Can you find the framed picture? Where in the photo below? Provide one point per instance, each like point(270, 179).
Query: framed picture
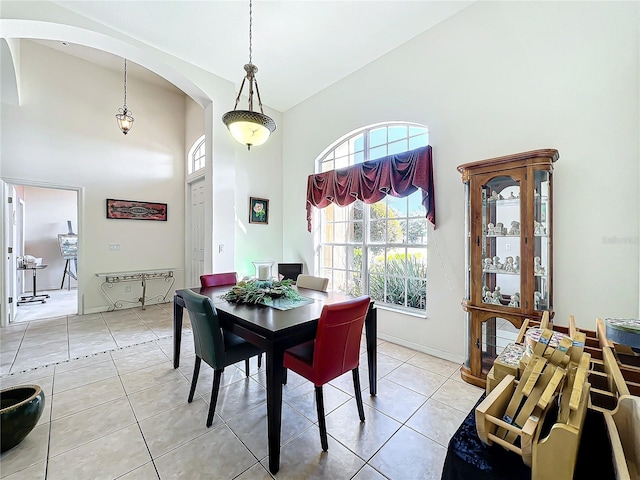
point(68, 245)
point(132, 210)
point(259, 210)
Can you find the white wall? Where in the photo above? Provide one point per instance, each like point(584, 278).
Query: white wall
point(46, 213)
point(193, 125)
point(65, 133)
point(495, 79)
point(259, 174)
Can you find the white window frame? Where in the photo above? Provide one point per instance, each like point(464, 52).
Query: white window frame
point(341, 270)
point(196, 158)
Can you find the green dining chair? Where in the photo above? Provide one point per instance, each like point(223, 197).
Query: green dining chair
point(213, 344)
point(223, 280)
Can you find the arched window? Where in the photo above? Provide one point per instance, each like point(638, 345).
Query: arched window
point(196, 158)
point(378, 249)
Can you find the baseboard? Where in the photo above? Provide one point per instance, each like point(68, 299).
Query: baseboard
point(109, 308)
point(421, 348)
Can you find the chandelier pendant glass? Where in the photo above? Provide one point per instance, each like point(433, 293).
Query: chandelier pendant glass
point(246, 126)
point(125, 116)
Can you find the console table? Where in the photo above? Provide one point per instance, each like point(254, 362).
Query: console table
point(142, 276)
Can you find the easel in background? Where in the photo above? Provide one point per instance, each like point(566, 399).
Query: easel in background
point(69, 251)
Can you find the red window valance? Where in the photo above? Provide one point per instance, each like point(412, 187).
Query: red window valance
point(398, 175)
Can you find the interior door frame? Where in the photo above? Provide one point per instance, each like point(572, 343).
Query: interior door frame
point(4, 267)
point(7, 238)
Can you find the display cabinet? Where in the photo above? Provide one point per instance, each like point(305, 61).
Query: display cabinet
point(509, 254)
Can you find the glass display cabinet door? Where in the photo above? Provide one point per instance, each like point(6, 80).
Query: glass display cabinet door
point(542, 260)
point(500, 241)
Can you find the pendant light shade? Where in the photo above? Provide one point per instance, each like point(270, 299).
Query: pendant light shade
point(249, 128)
point(124, 116)
point(246, 126)
point(125, 120)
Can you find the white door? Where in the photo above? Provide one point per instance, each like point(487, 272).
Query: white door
point(9, 294)
point(197, 216)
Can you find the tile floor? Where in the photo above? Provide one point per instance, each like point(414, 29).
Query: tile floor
point(120, 410)
point(61, 302)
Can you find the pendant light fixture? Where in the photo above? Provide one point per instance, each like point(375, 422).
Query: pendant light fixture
point(246, 126)
point(124, 117)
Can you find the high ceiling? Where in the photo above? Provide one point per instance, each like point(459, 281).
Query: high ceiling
point(299, 46)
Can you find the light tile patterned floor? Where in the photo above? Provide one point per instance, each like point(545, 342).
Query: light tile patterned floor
point(119, 409)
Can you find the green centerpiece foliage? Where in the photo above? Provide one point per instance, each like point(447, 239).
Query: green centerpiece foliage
point(262, 292)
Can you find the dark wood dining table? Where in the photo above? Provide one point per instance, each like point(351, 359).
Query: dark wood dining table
point(274, 331)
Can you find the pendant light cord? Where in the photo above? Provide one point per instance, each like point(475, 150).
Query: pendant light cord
point(250, 28)
point(125, 84)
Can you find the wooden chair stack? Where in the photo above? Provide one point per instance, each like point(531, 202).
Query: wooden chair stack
point(584, 371)
point(514, 411)
point(617, 396)
point(626, 360)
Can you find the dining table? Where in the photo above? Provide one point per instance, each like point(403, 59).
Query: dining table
point(274, 330)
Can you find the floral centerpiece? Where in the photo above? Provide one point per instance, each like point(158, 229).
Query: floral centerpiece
point(262, 292)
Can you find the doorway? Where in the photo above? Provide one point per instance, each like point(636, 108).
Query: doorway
point(45, 279)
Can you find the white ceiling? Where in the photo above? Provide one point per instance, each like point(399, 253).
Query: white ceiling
point(299, 46)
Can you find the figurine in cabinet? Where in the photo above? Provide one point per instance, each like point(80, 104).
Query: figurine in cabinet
point(537, 299)
point(491, 229)
point(515, 228)
point(497, 265)
point(499, 229)
point(509, 266)
point(487, 265)
point(515, 300)
point(516, 264)
point(486, 294)
point(496, 196)
point(496, 297)
point(538, 228)
point(538, 269)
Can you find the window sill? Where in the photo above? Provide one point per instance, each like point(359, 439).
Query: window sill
point(410, 313)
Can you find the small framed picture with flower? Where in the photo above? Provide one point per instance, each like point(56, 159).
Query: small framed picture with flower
point(259, 210)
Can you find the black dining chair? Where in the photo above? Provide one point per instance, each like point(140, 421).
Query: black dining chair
point(213, 344)
point(334, 351)
point(289, 271)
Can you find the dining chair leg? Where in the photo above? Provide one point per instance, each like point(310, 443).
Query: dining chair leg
point(321, 421)
point(246, 367)
point(194, 380)
point(259, 360)
point(284, 375)
point(358, 392)
point(217, 374)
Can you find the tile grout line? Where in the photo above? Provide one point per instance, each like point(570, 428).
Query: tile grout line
point(53, 364)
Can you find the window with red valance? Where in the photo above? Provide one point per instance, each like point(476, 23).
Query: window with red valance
point(374, 197)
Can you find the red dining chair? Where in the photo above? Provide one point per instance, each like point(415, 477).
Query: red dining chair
point(221, 280)
point(335, 350)
point(218, 279)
